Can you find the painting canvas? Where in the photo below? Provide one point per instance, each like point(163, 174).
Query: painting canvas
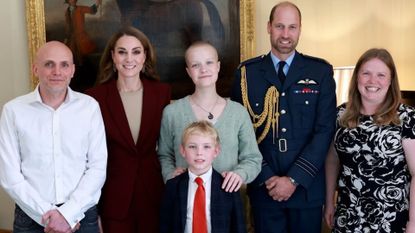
point(171, 25)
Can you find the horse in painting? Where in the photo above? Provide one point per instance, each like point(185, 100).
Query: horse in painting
point(184, 16)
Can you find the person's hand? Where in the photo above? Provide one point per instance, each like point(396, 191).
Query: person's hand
point(280, 188)
point(232, 182)
point(178, 171)
point(55, 222)
point(329, 214)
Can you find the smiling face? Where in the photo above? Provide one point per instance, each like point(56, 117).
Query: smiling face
point(284, 31)
point(128, 56)
point(202, 65)
point(54, 67)
point(199, 151)
point(373, 82)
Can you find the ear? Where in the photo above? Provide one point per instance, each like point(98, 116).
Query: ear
point(218, 66)
point(188, 71)
point(217, 151)
point(182, 152)
point(73, 70)
point(269, 27)
point(35, 69)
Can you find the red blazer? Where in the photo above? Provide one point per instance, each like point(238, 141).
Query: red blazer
point(132, 168)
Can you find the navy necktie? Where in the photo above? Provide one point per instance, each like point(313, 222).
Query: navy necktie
point(281, 74)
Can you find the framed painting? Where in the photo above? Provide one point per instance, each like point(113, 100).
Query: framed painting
point(171, 25)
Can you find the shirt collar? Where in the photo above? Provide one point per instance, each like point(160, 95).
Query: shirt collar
point(206, 176)
point(35, 96)
point(275, 59)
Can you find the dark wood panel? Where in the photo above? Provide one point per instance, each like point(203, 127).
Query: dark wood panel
point(408, 97)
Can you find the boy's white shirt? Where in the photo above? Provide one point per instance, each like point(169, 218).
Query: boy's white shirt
point(207, 183)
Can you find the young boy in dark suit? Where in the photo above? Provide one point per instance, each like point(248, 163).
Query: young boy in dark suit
point(192, 205)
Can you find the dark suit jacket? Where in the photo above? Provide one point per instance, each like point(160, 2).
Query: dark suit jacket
point(307, 107)
point(226, 209)
point(133, 172)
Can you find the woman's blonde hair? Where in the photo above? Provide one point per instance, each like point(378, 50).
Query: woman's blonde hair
point(387, 112)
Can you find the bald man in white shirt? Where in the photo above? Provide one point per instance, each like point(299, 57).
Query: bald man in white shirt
point(53, 152)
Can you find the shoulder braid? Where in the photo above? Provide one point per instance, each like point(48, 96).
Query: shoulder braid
point(270, 112)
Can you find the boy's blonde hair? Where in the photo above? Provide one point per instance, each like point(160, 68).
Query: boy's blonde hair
point(204, 128)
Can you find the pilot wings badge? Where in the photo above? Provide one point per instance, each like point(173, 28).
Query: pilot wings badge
point(307, 82)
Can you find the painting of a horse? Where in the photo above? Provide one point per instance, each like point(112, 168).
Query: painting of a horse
point(167, 16)
point(171, 25)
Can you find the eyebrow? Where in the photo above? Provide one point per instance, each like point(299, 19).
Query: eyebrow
point(138, 47)
point(57, 62)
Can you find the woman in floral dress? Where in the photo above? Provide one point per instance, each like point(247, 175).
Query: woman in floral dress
point(373, 153)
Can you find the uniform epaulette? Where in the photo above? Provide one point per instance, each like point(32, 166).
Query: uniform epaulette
point(251, 60)
point(315, 58)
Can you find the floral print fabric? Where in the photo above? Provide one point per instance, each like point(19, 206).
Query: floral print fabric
point(373, 186)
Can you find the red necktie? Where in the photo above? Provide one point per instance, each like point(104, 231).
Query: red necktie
point(199, 209)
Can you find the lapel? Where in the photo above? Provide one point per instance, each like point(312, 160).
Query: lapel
point(295, 72)
point(149, 110)
point(268, 71)
point(215, 197)
point(116, 109)
point(119, 116)
point(183, 187)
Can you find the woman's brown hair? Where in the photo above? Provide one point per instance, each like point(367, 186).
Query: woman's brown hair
point(106, 65)
point(387, 113)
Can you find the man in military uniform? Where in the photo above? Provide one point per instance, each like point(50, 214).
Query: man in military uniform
point(291, 99)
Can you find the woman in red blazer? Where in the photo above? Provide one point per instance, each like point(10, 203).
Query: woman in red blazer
point(131, 100)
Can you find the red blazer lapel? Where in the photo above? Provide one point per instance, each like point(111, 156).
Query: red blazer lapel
point(147, 112)
point(117, 112)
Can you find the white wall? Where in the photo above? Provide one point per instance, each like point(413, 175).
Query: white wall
point(14, 78)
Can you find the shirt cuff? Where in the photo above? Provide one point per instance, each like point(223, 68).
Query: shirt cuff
point(71, 213)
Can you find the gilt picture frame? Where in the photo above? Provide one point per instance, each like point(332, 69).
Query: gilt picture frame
point(39, 31)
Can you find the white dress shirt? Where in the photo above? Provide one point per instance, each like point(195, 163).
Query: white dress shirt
point(49, 156)
point(207, 183)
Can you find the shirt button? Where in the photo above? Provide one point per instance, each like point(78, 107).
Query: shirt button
point(283, 94)
point(283, 111)
point(284, 130)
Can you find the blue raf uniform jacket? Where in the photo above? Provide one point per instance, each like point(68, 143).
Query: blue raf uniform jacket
point(306, 123)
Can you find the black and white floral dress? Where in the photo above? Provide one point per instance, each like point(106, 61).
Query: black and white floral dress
point(373, 186)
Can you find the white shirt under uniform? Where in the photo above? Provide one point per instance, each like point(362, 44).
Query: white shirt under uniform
point(49, 157)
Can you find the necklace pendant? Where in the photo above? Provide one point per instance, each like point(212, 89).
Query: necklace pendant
point(210, 116)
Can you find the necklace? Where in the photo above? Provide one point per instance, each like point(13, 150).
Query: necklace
point(210, 115)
